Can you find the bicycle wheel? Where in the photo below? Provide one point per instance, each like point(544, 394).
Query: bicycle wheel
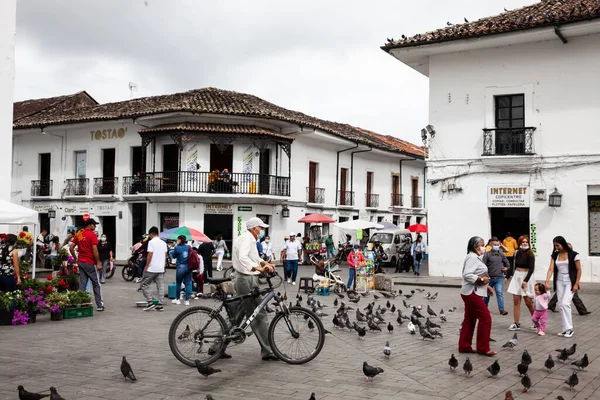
point(291, 338)
point(195, 335)
point(128, 272)
point(110, 273)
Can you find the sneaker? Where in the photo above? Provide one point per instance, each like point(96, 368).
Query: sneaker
point(138, 280)
point(503, 312)
point(533, 327)
point(294, 283)
point(187, 302)
point(569, 333)
point(289, 280)
point(175, 302)
point(562, 333)
point(542, 333)
point(150, 306)
point(514, 327)
point(159, 308)
point(100, 308)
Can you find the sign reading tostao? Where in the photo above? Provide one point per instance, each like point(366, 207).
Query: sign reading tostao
point(218, 209)
point(508, 196)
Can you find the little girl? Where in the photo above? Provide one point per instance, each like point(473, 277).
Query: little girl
point(541, 298)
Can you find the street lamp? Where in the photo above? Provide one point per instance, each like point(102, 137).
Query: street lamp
point(555, 198)
point(285, 211)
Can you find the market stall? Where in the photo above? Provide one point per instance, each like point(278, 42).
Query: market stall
point(314, 241)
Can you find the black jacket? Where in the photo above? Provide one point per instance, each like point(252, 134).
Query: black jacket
point(572, 267)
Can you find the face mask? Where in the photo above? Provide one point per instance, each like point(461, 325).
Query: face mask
point(103, 239)
point(495, 248)
point(524, 246)
point(267, 240)
point(482, 250)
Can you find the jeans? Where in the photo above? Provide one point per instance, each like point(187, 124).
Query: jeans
point(330, 252)
point(539, 319)
point(417, 265)
point(245, 284)
point(89, 272)
point(140, 268)
point(105, 267)
point(286, 274)
point(351, 278)
point(497, 283)
point(159, 278)
point(292, 266)
point(183, 275)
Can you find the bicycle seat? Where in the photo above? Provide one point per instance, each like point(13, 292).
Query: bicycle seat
point(217, 281)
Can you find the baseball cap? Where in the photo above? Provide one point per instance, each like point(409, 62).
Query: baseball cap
point(254, 222)
point(292, 234)
point(90, 222)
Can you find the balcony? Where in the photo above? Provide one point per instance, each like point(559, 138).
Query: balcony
point(77, 187)
point(416, 202)
point(345, 198)
point(397, 200)
point(315, 195)
point(41, 188)
point(505, 142)
point(372, 200)
point(103, 186)
point(206, 182)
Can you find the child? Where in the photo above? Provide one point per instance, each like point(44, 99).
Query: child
point(354, 259)
point(541, 298)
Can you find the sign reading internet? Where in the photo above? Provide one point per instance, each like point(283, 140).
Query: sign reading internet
point(509, 196)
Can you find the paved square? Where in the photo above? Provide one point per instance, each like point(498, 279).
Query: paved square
point(81, 357)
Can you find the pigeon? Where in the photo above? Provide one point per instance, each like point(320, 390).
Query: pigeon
point(430, 311)
point(549, 364)
point(430, 324)
point(387, 350)
point(399, 321)
point(443, 316)
point(406, 305)
point(360, 316)
point(466, 20)
point(408, 296)
point(435, 333)
point(390, 327)
point(360, 330)
point(411, 328)
point(468, 367)
point(341, 296)
point(572, 381)
point(494, 369)
point(335, 302)
point(376, 297)
point(452, 309)
point(425, 334)
point(25, 395)
point(185, 334)
point(512, 342)
point(388, 304)
point(209, 397)
point(526, 382)
point(427, 296)
point(416, 313)
point(311, 325)
point(205, 370)
point(449, 23)
point(563, 356)
point(312, 396)
point(435, 295)
point(420, 290)
point(321, 306)
point(453, 362)
point(526, 358)
point(508, 396)
point(402, 315)
point(582, 363)
point(354, 300)
point(373, 326)
point(522, 368)
point(371, 372)
point(54, 394)
point(126, 370)
point(560, 398)
point(571, 350)
point(419, 307)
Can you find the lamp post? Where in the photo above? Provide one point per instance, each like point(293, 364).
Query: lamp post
point(555, 198)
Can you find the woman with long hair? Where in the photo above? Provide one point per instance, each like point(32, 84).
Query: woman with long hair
point(565, 265)
point(417, 250)
point(521, 282)
point(183, 275)
point(10, 277)
point(474, 288)
point(221, 248)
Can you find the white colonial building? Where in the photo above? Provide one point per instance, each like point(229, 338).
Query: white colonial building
point(153, 161)
point(514, 101)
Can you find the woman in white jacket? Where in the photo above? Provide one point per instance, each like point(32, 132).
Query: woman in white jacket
point(221, 248)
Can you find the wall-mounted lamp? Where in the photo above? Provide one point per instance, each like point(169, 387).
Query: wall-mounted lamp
point(285, 211)
point(425, 131)
point(555, 198)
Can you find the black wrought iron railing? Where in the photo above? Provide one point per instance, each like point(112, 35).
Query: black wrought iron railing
point(416, 202)
point(512, 141)
point(397, 200)
point(206, 182)
point(346, 198)
point(77, 187)
point(106, 185)
point(372, 200)
point(315, 195)
point(41, 188)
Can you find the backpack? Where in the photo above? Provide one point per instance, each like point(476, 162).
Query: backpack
point(193, 260)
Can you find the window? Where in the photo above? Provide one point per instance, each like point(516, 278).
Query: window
point(396, 220)
point(594, 224)
point(384, 238)
point(379, 219)
point(396, 196)
point(419, 219)
point(416, 200)
point(510, 121)
point(80, 163)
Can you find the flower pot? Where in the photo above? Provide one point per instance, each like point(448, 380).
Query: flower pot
point(6, 317)
point(56, 316)
point(32, 317)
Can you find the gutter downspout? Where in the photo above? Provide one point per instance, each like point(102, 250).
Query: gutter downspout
point(352, 168)
point(337, 170)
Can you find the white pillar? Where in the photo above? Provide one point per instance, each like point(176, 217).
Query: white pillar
point(8, 16)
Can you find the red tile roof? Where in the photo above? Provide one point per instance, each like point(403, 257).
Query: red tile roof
point(211, 101)
point(542, 14)
point(216, 128)
point(28, 108)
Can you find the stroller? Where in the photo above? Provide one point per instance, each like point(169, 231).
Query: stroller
point(327, 272)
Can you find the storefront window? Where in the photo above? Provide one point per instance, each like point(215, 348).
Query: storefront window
point(594, 224)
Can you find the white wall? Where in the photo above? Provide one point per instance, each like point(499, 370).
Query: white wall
point(7, 81)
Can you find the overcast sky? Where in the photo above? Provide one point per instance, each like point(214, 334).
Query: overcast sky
point(321, 57)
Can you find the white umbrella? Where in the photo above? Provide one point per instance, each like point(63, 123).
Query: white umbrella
point(355, 224)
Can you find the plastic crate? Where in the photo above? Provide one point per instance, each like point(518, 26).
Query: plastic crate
point(79, 312)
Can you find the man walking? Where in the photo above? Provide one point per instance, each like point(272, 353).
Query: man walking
point(206, 251)
point(511, 245)
point(497, 264)
point(155, 270)
point(292, 253)
point(330, 246)
point(248, 265)
point(88, 260)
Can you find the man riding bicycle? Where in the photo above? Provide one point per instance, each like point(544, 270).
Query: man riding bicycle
point(248, 265)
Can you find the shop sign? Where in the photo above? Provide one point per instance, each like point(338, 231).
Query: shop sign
point(77, 209)
point(508, 196)
point(43, 208)
point(533, 237)
point(239, 225)
point(105, 209)
point(218, 209)
point(244, 208)
point(106, 134)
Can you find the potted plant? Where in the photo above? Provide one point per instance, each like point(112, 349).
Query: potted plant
point(10, 304)
point(57, 303)
point(79, 298)
point(34, 303)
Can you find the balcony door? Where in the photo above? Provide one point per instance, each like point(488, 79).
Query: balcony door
point(264, 169)
point(108, 171)
point(312, 181)
point(369, 188)
point(415, 192)
point(510, 121)
point(44, 174)
point(343, 187)
point(221, 160)
point(136, 161)
point(170, 168)
point(396, 197)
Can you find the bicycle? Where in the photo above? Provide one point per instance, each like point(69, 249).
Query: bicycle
point(203, 333)
point(129, 271)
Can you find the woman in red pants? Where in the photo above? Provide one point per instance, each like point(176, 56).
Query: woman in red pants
point(474, 288)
